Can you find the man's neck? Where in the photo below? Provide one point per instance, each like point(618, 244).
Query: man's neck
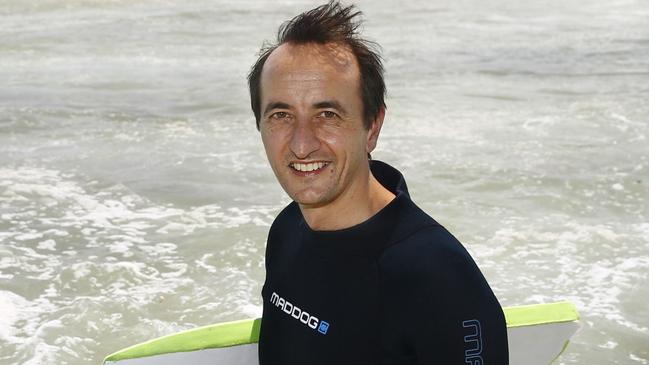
point(350, 209)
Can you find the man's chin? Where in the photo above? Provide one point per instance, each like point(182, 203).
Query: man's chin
point(310, 200)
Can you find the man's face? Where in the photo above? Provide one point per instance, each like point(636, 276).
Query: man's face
point(312, 122)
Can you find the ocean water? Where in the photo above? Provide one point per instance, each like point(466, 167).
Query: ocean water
point(135, 197)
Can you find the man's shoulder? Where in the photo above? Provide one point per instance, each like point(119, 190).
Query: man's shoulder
point(430, 250)
point(429, 241)
point(289, 216)
point(281, 242)
point(417, 232)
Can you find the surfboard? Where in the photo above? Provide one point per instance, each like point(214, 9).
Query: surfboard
point(537, 335)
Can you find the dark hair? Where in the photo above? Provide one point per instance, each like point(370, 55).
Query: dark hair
point(325, 24)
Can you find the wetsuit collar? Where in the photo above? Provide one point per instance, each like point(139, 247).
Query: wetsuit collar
point(389, 177)
point(363, 237)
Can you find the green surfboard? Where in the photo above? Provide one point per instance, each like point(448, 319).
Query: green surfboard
point(537, 335)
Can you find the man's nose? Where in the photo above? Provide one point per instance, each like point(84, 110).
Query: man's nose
point(304, 140)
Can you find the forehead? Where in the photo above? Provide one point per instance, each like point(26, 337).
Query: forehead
point(308, 64)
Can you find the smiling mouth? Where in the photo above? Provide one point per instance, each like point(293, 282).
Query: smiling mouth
point(308, 167)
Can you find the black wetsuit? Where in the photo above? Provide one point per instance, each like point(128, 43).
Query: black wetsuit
point(395, 289)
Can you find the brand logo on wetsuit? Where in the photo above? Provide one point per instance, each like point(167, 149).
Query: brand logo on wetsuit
point(473, 342)
point(289, 308)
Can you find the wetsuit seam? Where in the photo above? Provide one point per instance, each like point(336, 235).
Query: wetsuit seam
point(432, 225)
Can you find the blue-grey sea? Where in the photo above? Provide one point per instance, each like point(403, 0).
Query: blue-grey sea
point(135, 196)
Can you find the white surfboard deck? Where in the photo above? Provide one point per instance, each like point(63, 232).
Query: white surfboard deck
point(537, 335)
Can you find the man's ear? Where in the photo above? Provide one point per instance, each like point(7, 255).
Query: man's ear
point(375, 130)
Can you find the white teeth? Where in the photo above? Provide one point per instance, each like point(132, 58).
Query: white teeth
point(308, 167)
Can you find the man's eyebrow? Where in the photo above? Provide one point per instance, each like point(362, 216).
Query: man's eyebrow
point(333, 104)
point(275, 105)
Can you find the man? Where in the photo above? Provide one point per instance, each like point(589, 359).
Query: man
point(356, 273)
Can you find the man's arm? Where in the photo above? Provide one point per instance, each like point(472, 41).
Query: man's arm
point(437, 305)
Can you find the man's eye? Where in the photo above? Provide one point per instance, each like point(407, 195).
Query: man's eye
point(327, 114)
point(279, 115)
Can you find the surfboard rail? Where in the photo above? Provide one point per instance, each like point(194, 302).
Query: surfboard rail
point(527, 325)
point(218, 335)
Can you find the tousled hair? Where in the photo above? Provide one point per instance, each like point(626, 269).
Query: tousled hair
point(329, 23)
